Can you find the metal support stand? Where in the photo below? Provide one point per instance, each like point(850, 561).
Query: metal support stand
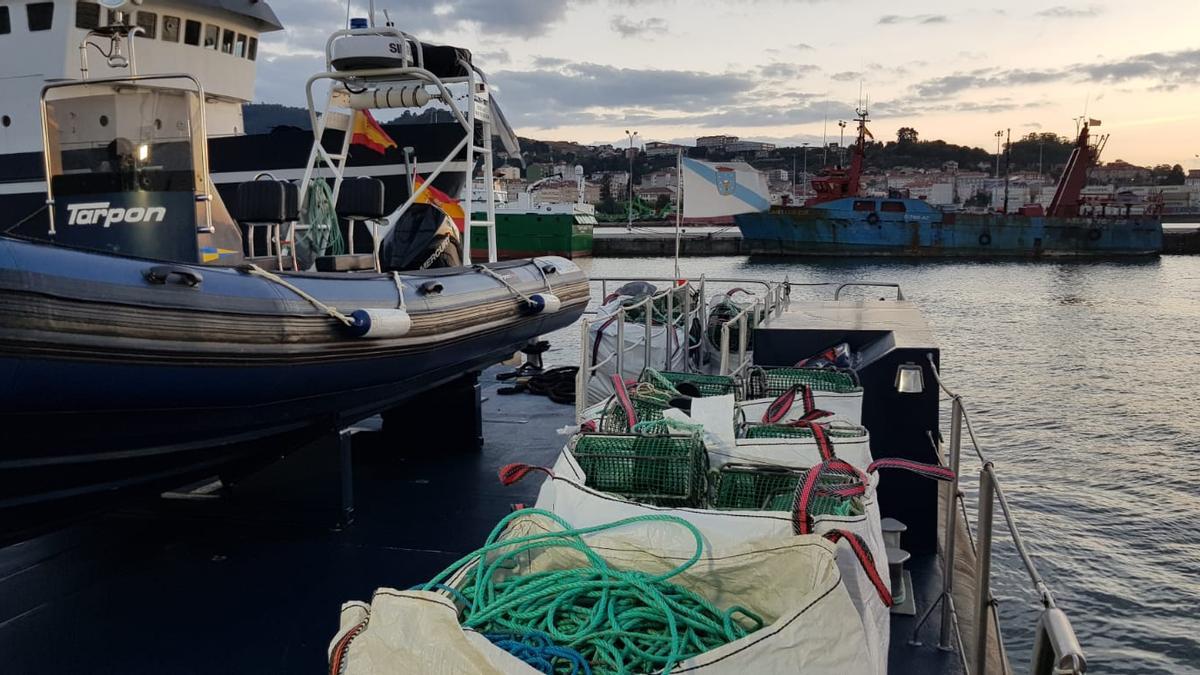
point(346, 474)
point(983, 585)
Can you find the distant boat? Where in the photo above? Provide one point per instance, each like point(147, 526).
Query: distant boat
point(526, 228)
point(839, 221)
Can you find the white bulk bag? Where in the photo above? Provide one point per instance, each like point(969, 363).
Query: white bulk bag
point(565, 494)
point(793, 583)
point(599, 385)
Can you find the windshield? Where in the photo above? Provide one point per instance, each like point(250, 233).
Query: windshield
point(107, 138)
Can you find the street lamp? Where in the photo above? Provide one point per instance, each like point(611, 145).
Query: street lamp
point(631, 135)
point(805, 146)
point(999, 135)
point(842, 143)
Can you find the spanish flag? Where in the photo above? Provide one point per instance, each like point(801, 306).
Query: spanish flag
point(368, 132)
point(449, 205)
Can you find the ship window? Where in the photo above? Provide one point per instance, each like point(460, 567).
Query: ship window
point(864, 205)
point(6, 121)
point(87, 15)
point(892, 207)
point(191, 32)
point(211, 35)
point(239, 46)
point(170, 31)
point(5, 24)
point(227, 41)
point(252, 49)
point(148, 21)
point(40, 15)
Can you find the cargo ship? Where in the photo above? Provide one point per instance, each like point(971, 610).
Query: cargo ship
point(840, 221)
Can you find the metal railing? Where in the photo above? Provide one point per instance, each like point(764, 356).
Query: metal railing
point(762, 309)
point(1056, 649)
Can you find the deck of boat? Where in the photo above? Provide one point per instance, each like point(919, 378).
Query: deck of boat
point(253, 581)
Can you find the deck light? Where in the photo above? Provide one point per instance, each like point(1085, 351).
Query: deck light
point(143, 152)
point(910, 379)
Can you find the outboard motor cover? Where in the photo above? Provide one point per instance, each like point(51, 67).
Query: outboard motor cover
point(423, 238)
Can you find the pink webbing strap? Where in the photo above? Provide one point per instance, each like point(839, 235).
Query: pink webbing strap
point(865, 559)
point(625, 401)
point(824, 445)
point(513, 473)
point(801, 518)
point(780, 407)
point(928, 470)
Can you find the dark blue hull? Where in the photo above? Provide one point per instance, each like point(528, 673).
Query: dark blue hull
point(107, 380)
point(815, 231)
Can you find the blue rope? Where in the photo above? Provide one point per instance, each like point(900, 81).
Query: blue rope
point(537, 650)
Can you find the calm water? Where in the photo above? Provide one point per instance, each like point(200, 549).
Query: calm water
point(1083, 382)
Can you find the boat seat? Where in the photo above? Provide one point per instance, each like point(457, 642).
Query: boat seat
point(269, 204)
point(350, 262)
point(360, 200)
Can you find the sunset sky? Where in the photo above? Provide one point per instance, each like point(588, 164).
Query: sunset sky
point(773, 70)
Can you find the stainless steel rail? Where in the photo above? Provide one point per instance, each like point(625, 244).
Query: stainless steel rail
point(1056, 649)
point(837, 293)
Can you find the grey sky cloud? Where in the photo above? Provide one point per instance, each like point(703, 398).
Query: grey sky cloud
point(628, 28)
point(846, 76)
point(890, 19)
point(1065, 12)
point(1165, 70)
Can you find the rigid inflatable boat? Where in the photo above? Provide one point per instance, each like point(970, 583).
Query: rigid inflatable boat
point(143, 337)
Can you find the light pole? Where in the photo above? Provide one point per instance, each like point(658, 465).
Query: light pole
point(999, 135)
point(805, 146)
point(631, 135)
point(842, 143)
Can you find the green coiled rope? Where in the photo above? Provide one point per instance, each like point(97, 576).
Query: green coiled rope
point(324, 237)
point(621, 621)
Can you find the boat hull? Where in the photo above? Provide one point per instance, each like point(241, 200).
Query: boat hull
point(814, 231)
point(108, 381)
point(524, 235)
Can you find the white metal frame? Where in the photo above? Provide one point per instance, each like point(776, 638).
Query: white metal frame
point(337, 109)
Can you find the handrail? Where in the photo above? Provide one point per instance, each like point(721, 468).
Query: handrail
point(1056, 648)
point(882, 284)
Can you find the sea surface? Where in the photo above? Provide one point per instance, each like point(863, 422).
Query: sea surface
point(1082, 380)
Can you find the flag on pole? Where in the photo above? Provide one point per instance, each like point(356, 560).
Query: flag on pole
point(1093, 123)
point(367, 132)
point(449, 205)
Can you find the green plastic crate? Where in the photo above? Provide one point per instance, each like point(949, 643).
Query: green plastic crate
point(660, 470)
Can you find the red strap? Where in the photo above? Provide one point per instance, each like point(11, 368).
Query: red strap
point(802, 522)
point(865, 559)
point(512, 473)
point(779, 407)
point(824, 445)
point(928, 470)
point(623, 398)
point(588, 426)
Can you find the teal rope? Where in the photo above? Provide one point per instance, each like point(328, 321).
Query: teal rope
point(620, 621)
point(324, 237)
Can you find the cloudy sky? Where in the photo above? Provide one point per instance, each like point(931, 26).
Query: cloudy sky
point(773, 70)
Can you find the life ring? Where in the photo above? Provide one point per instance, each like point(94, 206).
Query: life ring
point(985, 239)
point(873, 218)
point(1094, 234)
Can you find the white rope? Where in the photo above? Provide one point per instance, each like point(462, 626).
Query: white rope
point(255, 270)
point(504, 281)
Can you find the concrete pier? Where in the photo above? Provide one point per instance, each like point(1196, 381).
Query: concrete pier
point(1181, 240)
point(659, 241)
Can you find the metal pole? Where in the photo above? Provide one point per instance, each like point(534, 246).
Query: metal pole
point(951, 518)
point(725, 348)
point(806, 170)
point(687, 324)
point(585, 371)
point(621, 342)
point(670, 323)
point(984, 568)
point(649, 331)
point(629, 224)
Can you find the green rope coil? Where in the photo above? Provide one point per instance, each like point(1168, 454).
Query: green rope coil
point(621, 621)
point(324, 237)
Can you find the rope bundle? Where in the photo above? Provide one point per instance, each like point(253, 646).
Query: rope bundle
point(620, 621)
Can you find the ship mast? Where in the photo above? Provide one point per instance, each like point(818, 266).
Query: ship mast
point(1065, 203)
point(841, 181)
